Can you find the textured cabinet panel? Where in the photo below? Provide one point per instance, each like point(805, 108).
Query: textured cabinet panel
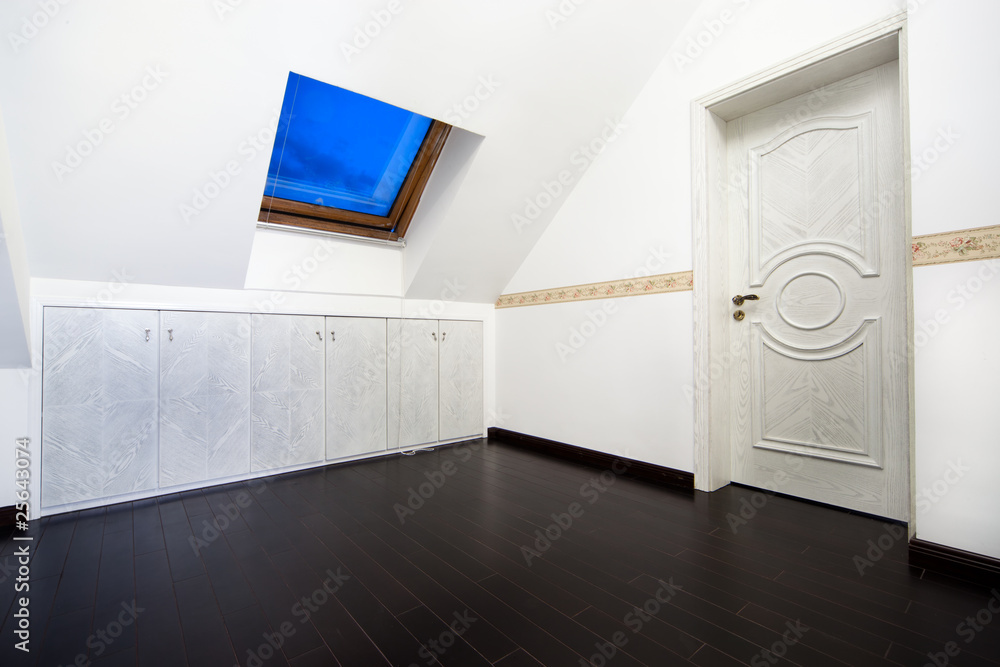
point(204, 396)
point(413, 382)
point(461, 379)
point(288, 390)
point(99, 413)
point(356, 386)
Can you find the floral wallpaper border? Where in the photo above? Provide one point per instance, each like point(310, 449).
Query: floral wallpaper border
point(961, 246)
point(659, 284)
point(944, 248)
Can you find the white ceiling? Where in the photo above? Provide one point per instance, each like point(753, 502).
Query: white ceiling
point(557, 85)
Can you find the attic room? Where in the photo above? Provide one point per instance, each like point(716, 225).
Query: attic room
point(642, 333)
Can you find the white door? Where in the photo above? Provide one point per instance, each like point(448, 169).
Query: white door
point(819, 379)
point(461, 379)
point(355, 386)
point(99, 412)
point(288, 364)
point(204, 396)
point(413, 382)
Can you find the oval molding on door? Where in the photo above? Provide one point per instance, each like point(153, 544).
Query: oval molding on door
point(811, 300)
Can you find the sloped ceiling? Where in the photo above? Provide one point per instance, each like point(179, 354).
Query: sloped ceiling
point(139, 130)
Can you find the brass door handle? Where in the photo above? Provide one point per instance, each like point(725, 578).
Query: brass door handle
point(740, 298)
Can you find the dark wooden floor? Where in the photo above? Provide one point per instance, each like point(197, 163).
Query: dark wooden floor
point(320, 564)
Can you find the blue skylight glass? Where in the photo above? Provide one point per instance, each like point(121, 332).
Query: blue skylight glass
point(340, 149)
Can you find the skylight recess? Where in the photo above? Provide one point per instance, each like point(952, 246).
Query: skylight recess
point(346, 162)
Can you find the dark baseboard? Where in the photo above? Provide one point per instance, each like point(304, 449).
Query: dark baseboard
point(954, 562)
point(7, 515)
point(677, 479)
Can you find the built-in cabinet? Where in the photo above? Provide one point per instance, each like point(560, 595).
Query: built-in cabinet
point(287, 380)
point(355, 386)
point(204, 396)
point(460, 379)
point(139, 400)
point(413, 382)
point(99, 411)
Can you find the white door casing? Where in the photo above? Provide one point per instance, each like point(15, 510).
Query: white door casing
point(819, 380)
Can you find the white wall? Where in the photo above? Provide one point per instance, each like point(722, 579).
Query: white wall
point(608, 375)
point(953, 136)
point(638, 193)
point(14, 276)
point(957, 312)
point(290, 261)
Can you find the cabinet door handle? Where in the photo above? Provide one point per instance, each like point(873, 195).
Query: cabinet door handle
point(147, 335)
point(443, 334)
point(434, 336)
point(319, 335)
point(171, 332)
point(333, 336)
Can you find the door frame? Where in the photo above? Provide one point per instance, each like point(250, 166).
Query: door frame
point(873, 45)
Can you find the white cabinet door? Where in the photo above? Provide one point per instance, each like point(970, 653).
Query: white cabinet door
point(461, 379)
point(204, 396)
point(287, 381)
point(413, 382)
point(98, 403)
point(355, 386)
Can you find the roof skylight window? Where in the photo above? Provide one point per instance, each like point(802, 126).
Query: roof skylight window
point(348, 163)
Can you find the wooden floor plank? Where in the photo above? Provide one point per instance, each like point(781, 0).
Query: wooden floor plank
point(466, 556)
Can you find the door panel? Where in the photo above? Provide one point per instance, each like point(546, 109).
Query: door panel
point(820, 389)
point(356, 386)
point(98, 403)
point(461, 379)
point(413, 382)
point(289, 360)
point(204, 396)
